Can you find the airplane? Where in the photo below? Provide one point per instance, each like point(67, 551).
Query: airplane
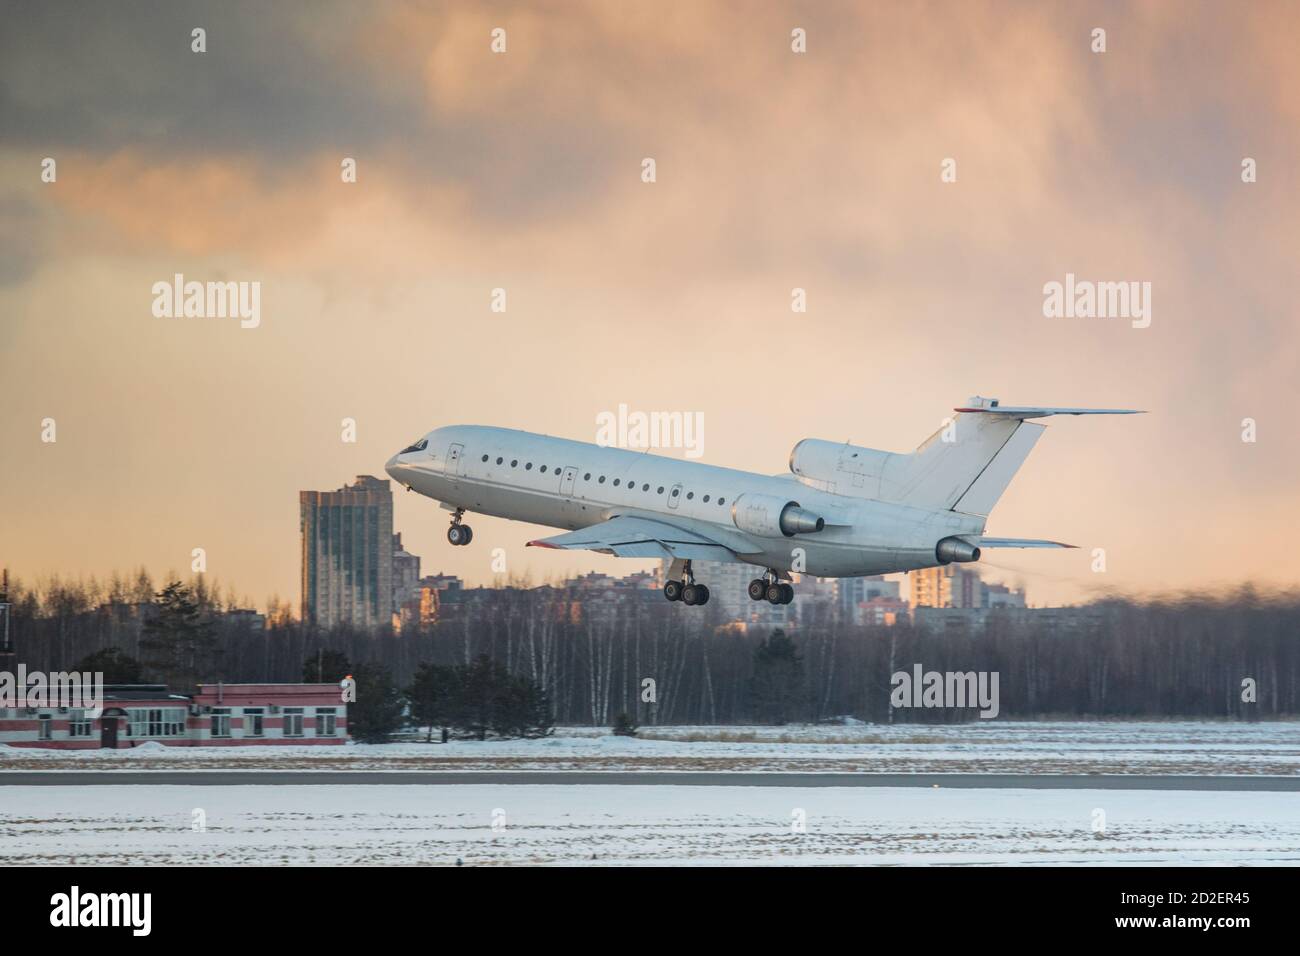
point(842, 511)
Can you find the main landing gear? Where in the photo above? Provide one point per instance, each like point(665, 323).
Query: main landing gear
point(769, 588)
point(685, 589)
point(459, 534)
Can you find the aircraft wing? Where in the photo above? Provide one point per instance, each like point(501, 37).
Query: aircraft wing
point(626, 536)
point(984, 542)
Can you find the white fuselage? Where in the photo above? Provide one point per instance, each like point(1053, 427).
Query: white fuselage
point(568, 484)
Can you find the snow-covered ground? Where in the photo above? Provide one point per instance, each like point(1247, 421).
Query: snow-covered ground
point(650, 825)
point(1182, 747)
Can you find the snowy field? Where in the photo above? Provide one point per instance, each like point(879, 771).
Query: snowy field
point(341, 825)
point(979, 747)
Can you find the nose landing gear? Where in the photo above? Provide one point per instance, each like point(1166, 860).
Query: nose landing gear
point(685, 590)
point(459, 534)
point(769, 588)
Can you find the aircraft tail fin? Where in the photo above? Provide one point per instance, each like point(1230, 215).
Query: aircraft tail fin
point(967, 464)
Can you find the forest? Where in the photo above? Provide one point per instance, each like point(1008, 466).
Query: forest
point(1235, 655)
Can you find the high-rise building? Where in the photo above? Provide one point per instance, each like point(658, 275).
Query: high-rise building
point(953, 585)
point(347, 554)
point(948, 585)
point(406, 573)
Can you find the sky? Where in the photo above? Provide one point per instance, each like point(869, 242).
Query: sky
point(921, 171)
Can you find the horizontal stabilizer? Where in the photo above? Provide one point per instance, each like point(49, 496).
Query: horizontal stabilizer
point(1026, 411)
point(984, 542)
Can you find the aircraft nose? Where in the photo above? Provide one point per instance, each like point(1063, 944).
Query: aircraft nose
point(392, 467)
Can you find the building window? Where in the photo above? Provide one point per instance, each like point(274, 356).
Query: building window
point(293, 721)
point(221, 721)
point(45, 725)
point(326, 722)
point(79, 725)
point(252, 721)
point(156, 722)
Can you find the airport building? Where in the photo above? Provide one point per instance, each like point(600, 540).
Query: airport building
point(347, 554)
point(217, 715)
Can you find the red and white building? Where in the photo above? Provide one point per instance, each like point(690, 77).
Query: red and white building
point(217, 715)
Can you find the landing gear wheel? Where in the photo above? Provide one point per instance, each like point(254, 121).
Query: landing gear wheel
point(757, 589)
point(691, 595)
point(702, 594)
point(787, 593)
point(673, 590)
point(459, 534)
point(775, 592)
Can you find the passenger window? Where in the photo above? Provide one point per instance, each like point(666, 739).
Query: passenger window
point(690, 495)
point(528, 467)
point(485, 457)
point(660, 491)
point(543, 469)
point(645, 487)
point(587, 477)
point(499, 460)
point(722, 501)
point(514, 462)
point(676, 492)
point(601, 480)
point(706, 499)
point(616, 481)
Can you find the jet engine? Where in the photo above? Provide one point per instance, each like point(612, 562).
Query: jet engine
point(955, 549)
point(768, 516)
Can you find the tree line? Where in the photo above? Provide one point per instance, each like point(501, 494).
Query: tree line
point(1236, 655)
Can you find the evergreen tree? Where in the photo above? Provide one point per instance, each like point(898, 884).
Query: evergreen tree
point(479, 687)
point(326, 667)
point(521, 708)
point(116, 666)
point(178, 644)
point(623, 726)
point(377, 712)
point(433, 694)
point(777, 684)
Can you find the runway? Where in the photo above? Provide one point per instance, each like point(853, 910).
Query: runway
point(958, 781)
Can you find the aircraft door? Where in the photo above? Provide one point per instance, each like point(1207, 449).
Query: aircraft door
point(566, 482)
point(452, 467)
point(674, 496)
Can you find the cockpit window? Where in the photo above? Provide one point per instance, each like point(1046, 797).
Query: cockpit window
point(420, 445)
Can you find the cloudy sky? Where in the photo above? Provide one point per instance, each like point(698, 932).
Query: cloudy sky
point(522, 170)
